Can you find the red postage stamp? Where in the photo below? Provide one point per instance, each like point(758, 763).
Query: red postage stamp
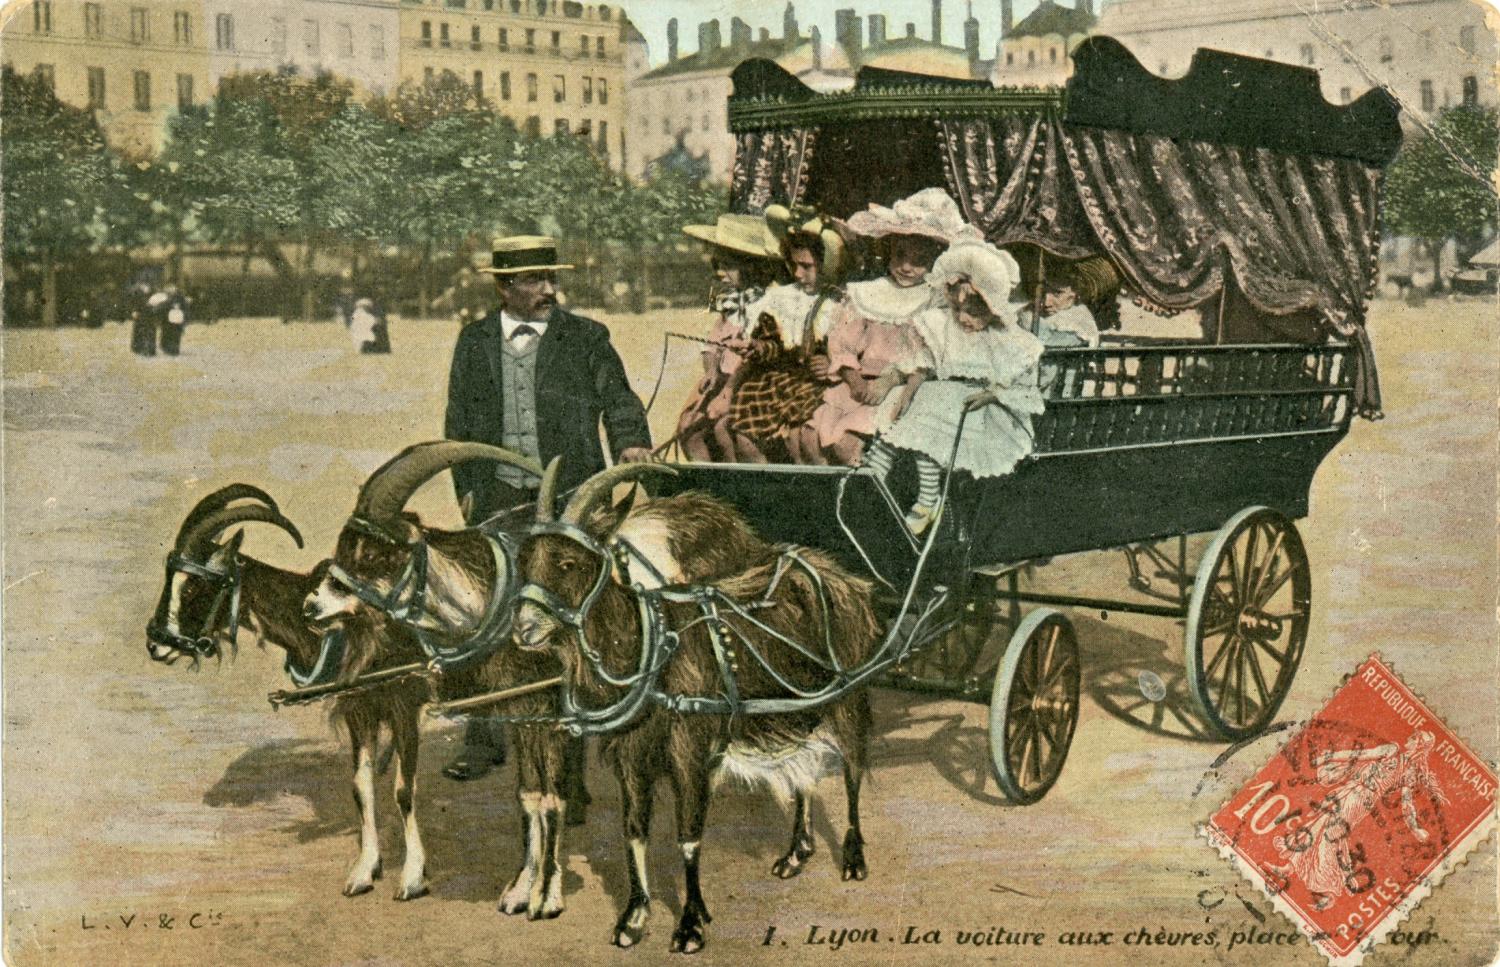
point(1359, 815)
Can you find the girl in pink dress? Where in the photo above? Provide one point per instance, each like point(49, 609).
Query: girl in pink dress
point(872, 331)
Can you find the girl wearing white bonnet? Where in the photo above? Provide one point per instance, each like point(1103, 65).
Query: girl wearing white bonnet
point(973, 356)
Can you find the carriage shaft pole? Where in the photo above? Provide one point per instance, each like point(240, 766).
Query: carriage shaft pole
point(1103, 604)
point(490, 698)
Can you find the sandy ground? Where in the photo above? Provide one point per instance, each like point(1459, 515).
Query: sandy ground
point(157, 816)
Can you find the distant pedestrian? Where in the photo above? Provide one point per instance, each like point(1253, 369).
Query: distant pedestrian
point(172, 307)
point(140, 314)
point(363, 317)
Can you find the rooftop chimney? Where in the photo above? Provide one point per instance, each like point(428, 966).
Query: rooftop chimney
point(911, 30)
point(1007, 18)
point(937, 21)
point(847, 32)
point(877, 28)
point(789, 30)
point(739, 34)
point(971, 35)
point(709, 37)
point(816, 36)
point(672, 39)
point(765, 34)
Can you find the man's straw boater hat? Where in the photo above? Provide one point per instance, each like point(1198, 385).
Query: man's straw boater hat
point(741, 234)
point(523, 253)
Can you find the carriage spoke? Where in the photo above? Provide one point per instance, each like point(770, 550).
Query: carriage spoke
point(1258, 675)
point(1208, 670)
point(1270, 565)
point(1232, 565)
point(1239, 682)
point(1025, 765)
point(1054, 676)
point(1280, 657)
point(1251, 565)
point(1231, 643)
point(1275, 586)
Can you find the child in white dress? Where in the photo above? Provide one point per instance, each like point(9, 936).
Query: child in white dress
point(973, 358)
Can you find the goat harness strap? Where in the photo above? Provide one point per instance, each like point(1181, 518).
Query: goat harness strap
point(494, 624)
point(325, 667)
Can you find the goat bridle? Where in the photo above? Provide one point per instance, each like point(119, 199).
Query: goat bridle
point(226, 583)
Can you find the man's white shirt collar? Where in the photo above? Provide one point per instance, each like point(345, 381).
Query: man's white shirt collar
point(508, 324)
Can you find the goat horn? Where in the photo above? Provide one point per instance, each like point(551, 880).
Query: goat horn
point(218, 500)
point(389, 488)
point(546, 498)
point(210, 527)
point(599, 486)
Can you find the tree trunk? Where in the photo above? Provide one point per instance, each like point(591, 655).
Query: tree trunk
point(307, 280)
point(49, 290)
point(278, 260)
point(424, 281)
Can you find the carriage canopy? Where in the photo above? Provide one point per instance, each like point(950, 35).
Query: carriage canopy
point(1237, 183)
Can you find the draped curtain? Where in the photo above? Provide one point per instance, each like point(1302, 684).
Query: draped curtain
point(770, 168)
point(1180, 218)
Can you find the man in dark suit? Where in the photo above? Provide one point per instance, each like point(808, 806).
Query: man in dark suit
point(535, 379)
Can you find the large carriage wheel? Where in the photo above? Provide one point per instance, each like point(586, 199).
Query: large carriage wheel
point(1034, 706)
point(1247, 622)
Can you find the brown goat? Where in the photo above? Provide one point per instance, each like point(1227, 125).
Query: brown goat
point(453, 592)
point(686, 538)
point(194, 613)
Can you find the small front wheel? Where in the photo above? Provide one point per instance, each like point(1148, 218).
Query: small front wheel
point(1034, 706)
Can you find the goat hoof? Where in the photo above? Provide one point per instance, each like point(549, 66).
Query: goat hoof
point(545, 913)
point(688, 939)
point(412, 892)
point(631, 929)
point(855, 869)
point(787, 867)
point(358, 889)
point(512, 907)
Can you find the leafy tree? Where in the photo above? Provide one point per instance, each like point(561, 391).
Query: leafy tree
point(60, 181)
point(1441, 185)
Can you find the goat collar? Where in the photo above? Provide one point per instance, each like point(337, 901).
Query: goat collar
point(226, 582)
point(617, 551)
point(494, 625)
point(325, 667)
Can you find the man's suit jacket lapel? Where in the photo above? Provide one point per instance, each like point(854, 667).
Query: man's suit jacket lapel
point(549, 350)
point(494, 334)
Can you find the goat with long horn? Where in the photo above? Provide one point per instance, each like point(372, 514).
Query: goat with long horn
point(213, 587)
point(455, 591)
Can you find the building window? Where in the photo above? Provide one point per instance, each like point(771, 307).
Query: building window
point(1031, 58)
point(1429, 99)
point(1306, 54)
point(1466, 39)
point(556, 41)
point(426, 40)
point(96, 87)
point(585, 127)
point(1387, 50)
point(93, 20)
point(377, 42)
point(705, 121)
point(1052, 54)
point(443, 40)
point(603, 91)
point(1010, 59)
point(474, 42)
point(1345, 95)
point(346, 40)
point(224, 31)
point(182, 28)
point(278, 35)
point(427, 76)
point(184, 91)
point(41, 16)
point(530, 40)
point(560, 126)
point(583, 46)
point(533, 127)
point(599, 46)
point(45, 76)
point(312, 45)
point(140, 26)
point(559, 88)
point(1471, 90)
point(505, 85)
point(603, 135)
point(142, 91)
point(504, 39)
point(531, 87)
point(489, 4)
point(479, 84)
point(588, 90)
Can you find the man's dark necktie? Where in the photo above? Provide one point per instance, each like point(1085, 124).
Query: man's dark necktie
point(521, 331)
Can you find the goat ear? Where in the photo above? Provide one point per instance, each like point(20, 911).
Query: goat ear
point(233, 545)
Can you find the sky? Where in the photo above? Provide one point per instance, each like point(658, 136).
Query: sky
point(651, 17)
